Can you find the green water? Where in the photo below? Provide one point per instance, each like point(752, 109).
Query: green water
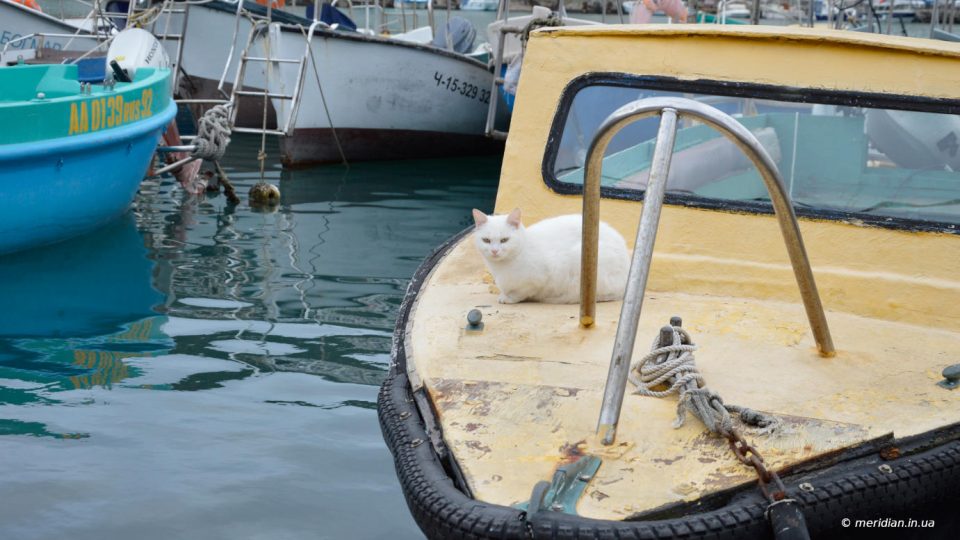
point(200, 371)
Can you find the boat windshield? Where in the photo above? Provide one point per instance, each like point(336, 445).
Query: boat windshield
point(873, 162)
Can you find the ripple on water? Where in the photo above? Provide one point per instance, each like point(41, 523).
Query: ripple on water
point(200, 371)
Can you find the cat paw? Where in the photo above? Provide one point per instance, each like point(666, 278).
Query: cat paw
point(504, 299)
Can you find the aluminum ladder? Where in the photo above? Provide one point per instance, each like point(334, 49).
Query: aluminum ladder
point(503, 14)
point(264, 29)
point(670, 109)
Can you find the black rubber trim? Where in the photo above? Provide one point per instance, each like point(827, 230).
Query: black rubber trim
point(924, 485)
point(740, 89)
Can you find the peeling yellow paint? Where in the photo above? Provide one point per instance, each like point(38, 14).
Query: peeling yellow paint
point(511, 397)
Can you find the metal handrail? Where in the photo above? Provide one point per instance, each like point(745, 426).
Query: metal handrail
point(670, 109)
point(233, 46)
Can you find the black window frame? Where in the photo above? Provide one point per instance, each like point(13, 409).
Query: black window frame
point(747, 90)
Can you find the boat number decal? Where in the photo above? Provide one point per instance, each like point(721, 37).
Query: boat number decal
point(463, 88)
point(108, 112)
point(7, 36)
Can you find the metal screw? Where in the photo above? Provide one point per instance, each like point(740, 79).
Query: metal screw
point(556, 507)
point(584, 478)
point(415, 443)
point(41, 95)
point(885, 468)
point(404, 415)
point(806, 486)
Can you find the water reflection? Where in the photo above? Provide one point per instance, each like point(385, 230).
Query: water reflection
point(219, 354)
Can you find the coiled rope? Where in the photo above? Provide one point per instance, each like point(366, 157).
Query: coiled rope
point(674, 364)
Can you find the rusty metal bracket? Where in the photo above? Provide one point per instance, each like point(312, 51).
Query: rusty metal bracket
point(562, 494)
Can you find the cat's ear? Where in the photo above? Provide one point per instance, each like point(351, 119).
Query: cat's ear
point(514, 218)
point(479, 217)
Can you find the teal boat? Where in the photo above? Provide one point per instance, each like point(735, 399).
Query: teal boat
point(72, 154)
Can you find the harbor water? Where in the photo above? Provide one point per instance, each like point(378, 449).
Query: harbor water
point(195, 370)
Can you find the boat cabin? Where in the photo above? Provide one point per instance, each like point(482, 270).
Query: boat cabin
point(841, 327)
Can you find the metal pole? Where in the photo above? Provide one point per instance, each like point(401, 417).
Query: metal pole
point(889, 16)
point(755, 16)
point(787, 220)
point(933, 17)
point(495, 88)
point(447, 29)
point(639, 271)
point(430, 20)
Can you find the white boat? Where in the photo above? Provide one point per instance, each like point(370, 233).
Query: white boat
point(479, 5)
point(20, 26)
point(382, 98)
point(206, 37)
point(214, 40)
point(512, 45)
point(902, 9)
point(733, 9)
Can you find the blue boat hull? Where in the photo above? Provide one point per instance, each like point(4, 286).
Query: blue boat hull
point(56, 189)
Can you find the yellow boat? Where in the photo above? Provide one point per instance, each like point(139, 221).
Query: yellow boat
point(792, 203)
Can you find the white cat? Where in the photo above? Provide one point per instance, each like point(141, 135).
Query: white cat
point(542, 263)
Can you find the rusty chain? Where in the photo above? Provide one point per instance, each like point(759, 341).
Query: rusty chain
point(749, 456)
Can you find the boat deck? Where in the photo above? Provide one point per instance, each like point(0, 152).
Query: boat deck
point(523, 396)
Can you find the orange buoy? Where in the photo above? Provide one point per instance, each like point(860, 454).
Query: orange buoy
point(32, 4)
point(274, 4)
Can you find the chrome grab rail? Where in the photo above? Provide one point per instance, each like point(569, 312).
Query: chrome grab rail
point(670, 109)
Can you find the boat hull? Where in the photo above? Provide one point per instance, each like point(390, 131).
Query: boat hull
point(56, 189)
point(385, 99)
point(17, 21)
point(317, 145)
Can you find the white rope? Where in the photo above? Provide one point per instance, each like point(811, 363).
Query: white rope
point(674, 365)
point(213, 133)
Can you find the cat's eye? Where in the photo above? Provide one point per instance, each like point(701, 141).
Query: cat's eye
point(486, 240)
point(503, 240)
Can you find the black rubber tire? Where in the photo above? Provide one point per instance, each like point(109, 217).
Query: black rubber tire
point(925, 485)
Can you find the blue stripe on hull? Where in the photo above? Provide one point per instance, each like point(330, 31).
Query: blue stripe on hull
point(56, 189)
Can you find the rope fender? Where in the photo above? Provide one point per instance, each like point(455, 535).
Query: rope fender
point(213, 133)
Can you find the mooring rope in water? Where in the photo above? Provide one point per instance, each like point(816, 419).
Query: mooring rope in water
point(674, 364)
point(323, 100)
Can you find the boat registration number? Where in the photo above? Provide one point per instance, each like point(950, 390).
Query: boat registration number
point(465, 89)
point(107, 112)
